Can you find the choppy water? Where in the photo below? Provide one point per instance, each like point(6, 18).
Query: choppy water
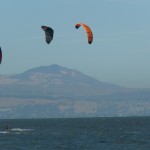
point(76, 134)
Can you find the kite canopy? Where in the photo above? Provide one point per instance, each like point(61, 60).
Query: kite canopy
point(88, 31)
point(49, 32)
point(0, 55)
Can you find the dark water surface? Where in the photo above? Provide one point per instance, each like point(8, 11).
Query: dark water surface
point(129, 133)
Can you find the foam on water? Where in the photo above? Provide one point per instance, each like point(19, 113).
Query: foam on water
point(20, 130)
point(16, 131)
point(4, 132)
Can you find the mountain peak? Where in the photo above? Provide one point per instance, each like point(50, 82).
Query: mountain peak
point(55, 68)
point(52, 69)
point(45, 69)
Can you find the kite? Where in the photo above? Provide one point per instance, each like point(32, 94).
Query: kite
point(0, 55)
point(49, 32)
point(88, 31)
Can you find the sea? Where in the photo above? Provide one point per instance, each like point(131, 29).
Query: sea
point(104, 133)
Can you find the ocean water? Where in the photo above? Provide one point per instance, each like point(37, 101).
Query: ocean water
point(129, 133)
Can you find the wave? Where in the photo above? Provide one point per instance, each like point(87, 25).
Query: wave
point(20, 130)
point(4, 132)
point(15, 130)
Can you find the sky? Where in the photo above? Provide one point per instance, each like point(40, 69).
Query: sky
point(119, 54)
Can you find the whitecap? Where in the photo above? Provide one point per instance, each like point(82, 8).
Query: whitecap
point(20, 130)
point(4, 132)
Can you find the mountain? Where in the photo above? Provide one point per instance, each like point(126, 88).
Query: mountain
point(57, 91)
point(53, 81)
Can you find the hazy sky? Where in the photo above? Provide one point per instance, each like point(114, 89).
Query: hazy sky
point(120, 52)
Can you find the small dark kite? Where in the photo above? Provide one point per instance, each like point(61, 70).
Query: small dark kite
point(49, 32)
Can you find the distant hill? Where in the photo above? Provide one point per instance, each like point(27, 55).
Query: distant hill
point(54, 80)
point(57, 91)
